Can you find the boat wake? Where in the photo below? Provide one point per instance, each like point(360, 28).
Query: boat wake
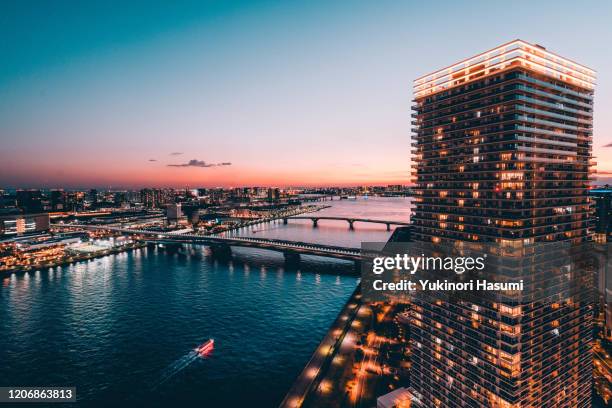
point(182, 363)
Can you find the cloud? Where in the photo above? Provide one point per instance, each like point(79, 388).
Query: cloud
point(607, 145)
point(176, 153)
point(199, 163)
point(603, 172)
point(152, 159)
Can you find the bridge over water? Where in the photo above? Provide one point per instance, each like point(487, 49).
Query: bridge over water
point(351, 221)
point(290, 249)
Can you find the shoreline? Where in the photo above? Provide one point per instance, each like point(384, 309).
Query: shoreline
point(74, 260)
point(322, 357)
point(142, 244)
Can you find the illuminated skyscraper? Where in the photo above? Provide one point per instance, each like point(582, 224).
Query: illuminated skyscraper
point(502, 157)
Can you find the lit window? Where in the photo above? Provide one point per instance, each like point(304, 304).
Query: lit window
point(509, 310)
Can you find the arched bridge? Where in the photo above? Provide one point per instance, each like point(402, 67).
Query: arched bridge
point(290, 249)
point(351, 221)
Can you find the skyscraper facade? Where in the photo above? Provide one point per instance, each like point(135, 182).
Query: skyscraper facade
point(502, 152)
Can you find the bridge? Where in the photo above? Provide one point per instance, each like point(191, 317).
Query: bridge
point(351, 221)
point(222, 245)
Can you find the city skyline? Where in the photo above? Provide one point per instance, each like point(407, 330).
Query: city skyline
point(214, 95)
point(306, 204)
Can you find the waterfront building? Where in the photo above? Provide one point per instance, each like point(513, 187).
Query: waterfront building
point(502, 152)
point(18, 224)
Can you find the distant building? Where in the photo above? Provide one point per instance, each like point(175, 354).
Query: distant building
point(75, 201)
point(119, 198)
point(152, 198)
point(58, 200)
point(603, 212)
point(7, 201)
point(32, 201)
point(191, 212)
point(603, 230)
point(93, 198)
point(173, 212)
point(13, 225)
point(273, 194)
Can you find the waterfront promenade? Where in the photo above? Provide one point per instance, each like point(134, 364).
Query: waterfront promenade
point(322, 357)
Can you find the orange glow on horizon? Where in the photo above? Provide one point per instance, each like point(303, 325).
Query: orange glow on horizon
point(80, 175)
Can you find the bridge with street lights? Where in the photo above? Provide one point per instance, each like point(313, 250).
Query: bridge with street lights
point(222, 245)
point(351, 221)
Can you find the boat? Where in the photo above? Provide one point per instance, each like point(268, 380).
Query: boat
point(205, 348)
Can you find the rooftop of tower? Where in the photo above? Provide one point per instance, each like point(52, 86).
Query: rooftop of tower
point(516, 52)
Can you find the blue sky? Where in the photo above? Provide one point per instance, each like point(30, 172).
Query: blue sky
point(291, 93)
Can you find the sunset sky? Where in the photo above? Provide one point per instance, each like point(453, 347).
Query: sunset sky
point(250, 93)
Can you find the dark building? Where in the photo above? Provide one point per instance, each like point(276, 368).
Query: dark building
point(602, 198)
point(75, 201)
point(93, 198)
point(273, 194)
point(58, 200)
point(8, 200)
point(502, 157)
point(119, 198)
point(192, 213)
point(31, 201)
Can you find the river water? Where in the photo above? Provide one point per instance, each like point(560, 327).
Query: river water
point(122, 328)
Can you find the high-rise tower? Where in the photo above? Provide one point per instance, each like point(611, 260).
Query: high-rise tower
point(502, 156)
